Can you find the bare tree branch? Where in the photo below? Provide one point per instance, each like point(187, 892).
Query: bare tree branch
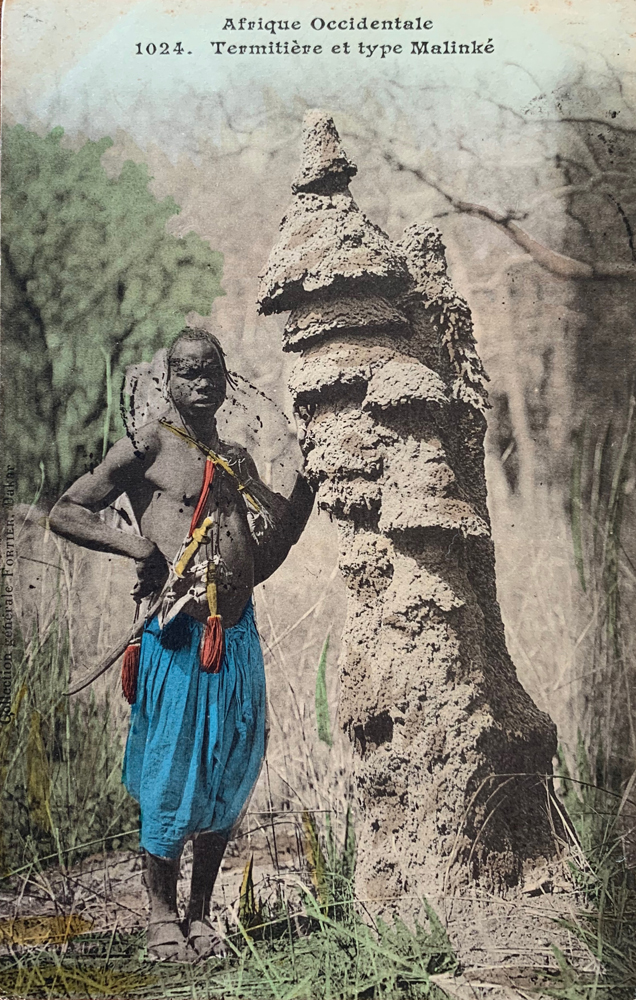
point(586, 120)
point(556, 263)
point(599, 183)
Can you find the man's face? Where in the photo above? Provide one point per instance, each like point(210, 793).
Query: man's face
point(196, 381)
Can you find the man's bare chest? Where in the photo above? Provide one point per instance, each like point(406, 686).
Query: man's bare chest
point(173, 486)
point(177, 473)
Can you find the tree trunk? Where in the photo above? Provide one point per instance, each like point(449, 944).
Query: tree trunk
point(453, 757)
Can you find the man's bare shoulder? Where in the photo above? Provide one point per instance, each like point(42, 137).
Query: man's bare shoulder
point(133, 451)
point(122, 470)
point(146, 440)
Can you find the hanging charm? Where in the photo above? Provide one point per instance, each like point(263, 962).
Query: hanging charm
point(213, 645)
point(130, 667)
point(130, 672)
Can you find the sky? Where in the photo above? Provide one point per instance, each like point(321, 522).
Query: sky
point(75, 64)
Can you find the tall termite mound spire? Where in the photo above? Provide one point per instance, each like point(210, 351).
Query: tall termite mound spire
point(451, 751)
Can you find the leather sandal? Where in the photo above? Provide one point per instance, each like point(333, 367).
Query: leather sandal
point(165, 942)
point(204, 939)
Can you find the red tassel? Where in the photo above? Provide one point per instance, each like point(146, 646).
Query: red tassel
point(213, 645)
point(130, 673)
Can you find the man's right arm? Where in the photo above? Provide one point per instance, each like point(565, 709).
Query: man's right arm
point(76, 514)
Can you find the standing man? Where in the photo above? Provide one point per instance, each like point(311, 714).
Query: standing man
point(210, 531)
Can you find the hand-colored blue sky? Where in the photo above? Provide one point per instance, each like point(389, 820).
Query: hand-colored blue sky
point(74, 64)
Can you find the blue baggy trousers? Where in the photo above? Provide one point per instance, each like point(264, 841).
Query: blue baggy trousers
point(196, 740)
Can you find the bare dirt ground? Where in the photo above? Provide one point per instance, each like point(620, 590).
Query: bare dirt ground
point(505, 946)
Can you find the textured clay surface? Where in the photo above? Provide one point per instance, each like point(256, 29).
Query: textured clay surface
point(453, 758)
point(398, 383)
point(327, 243)
point(323, 158)
point(349, 314)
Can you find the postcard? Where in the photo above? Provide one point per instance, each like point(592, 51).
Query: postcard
point(318, 551)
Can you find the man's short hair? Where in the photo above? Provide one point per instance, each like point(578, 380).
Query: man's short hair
point(198, 333)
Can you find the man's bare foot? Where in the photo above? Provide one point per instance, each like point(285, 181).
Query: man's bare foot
point(204, 939)
point(166, 943)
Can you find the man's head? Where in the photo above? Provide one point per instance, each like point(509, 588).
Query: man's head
point(197, 374)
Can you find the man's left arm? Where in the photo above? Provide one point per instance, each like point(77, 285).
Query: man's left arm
point(285, 517)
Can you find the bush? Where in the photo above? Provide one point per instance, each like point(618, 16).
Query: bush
point(92, 282)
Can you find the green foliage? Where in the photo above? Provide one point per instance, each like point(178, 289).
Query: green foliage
point(278, 950)
point(250, 912)
point(323, 721)
point(92, 282)
point(315, 857)
point(331, 870)
point(586, 803)
point(60, 766)
point(340, 870)
point(600, 871)
point(334, 961)
point(600, 473)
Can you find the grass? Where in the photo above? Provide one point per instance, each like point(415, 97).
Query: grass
point(312, 943)
point(63, 800)
point(330, 962)
point(600, 800)
point(600, 870)
point(60, 765)
point(601, 478)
